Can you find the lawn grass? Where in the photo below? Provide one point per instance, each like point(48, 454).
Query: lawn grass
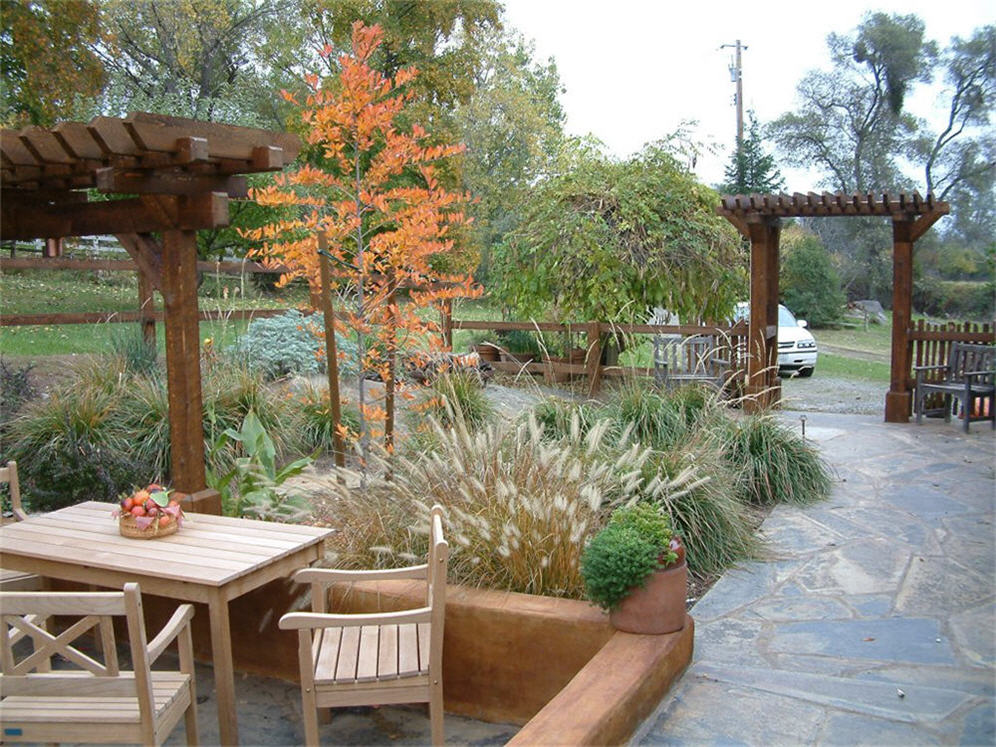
point(845, 367)
point(65, 291)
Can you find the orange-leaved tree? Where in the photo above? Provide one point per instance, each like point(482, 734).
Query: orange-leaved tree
point(371, 189)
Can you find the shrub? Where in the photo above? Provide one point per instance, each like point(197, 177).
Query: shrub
point(808, 281)
point(312, 408)
point(773, 463)
point(138, 355)
point(15, 389)
point(456, 395)
point(67, 449)
point(632, 546)
point(954, 299)
point(662, 419)
point(289, 344)
point(555, 416)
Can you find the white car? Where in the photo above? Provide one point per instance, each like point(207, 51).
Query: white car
point(797, 351)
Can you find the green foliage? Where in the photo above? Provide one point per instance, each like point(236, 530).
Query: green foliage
point(808, 282)
point(775, 465)
point(751, 170)
point(15, 389)
point(605, 239)
point(315, 413)
point(129, 344)
point(457, 395)
point(954, 299)
point(254, 485)
point(625, 553)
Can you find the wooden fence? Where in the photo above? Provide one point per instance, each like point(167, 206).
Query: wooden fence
point(588, 360)
point(146, 314)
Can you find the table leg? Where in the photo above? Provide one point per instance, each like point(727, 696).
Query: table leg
point(224, 671)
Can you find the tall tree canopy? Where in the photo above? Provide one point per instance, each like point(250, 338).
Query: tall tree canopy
point(851, 123)
point(47, 59)
point(751, 170)
point(606, 239)
point(512, 127)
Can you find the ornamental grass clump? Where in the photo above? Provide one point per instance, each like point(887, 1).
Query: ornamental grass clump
point(519, 506)
point(635, 543)
point(774, 464)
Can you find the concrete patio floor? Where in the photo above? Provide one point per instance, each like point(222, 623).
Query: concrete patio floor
point(873, 622)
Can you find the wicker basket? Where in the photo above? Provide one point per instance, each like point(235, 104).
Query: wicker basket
point(128, 528)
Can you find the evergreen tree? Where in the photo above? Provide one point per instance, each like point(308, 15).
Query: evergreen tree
point(751, 170)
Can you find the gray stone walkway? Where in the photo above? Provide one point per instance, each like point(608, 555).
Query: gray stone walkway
point(873, 623)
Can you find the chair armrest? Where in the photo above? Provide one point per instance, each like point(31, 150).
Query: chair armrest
point(972, 374)
point(929, 368)
point(181, 618)
point(331, 575)
point(298, 620)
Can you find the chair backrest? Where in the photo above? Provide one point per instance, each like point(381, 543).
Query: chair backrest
point(24, 616)
point(965, 356)
point(8, 474)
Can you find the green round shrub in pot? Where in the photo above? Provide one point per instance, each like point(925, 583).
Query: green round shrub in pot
point(635, 569)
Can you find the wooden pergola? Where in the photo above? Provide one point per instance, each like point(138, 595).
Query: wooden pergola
point(758, 218)
point(181, 174)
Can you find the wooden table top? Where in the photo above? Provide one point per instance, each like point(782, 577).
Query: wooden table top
point(208, 550)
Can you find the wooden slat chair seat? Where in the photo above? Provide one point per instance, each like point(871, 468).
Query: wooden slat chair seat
point(969, 376)
point(373, 659)
point(96, 701)
point(16, 580)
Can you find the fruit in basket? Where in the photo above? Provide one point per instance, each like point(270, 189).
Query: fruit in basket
point(137, 511)
point(164, 520)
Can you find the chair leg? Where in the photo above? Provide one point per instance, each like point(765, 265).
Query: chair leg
point(436, 713)
point(947, 408)
point(918, 404)
point(309, 714)
point(190, 722)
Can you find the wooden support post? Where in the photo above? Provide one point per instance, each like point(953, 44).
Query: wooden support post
point(331, 353)
point(898, 401)
point(593, 358)
point(146, 306)
point(763, 329)
point(774, 383)
point(183, 360)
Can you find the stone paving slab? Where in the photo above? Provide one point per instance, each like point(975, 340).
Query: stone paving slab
point(874, 621)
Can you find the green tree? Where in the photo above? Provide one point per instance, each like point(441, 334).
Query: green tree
point(512, 126)
point(606, 239)
point(751, 170)
point(851, 123)
point(807, 279)
point(47, 59)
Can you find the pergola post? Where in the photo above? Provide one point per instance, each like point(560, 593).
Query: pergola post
point(762, 386)
point(183, 362)
point(898, 401)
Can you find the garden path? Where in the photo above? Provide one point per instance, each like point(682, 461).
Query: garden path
point(873, 622)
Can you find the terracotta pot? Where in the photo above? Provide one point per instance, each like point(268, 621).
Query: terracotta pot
point(656, 608)
point(487, 352)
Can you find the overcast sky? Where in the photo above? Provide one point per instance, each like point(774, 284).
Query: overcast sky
point(635, 69)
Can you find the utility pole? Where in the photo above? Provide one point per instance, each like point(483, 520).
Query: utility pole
point(737, 76)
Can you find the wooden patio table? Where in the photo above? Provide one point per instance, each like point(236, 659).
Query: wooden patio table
point(212, 559)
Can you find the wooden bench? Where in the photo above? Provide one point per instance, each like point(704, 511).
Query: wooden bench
point(689, 360)
point(969, 376)
point(96, 701)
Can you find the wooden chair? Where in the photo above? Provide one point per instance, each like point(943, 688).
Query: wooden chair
point(371, 659)
point(968, 376)
point(16, 580)
point(690, 360)
point(95, 701)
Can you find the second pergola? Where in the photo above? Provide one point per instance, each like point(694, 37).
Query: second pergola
point(759, 218)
